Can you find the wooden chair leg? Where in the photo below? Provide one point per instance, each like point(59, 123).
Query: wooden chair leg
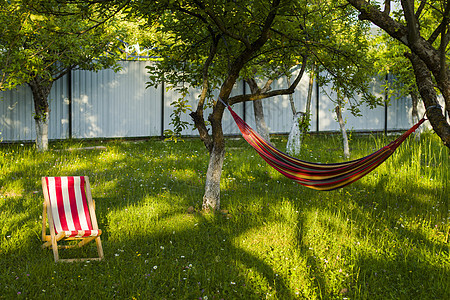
point(99, 247)
point(55, 249)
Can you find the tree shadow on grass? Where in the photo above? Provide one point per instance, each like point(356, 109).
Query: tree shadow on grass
point(396, 261)
point(152, 258)
point(171, 254)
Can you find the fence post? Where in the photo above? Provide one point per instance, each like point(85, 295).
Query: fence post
point(244, 91)
point(162, 109)
point(386, 96)
point(317, 106)
point(69, 96)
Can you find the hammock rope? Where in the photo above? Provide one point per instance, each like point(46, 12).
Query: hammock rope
point(318, 176)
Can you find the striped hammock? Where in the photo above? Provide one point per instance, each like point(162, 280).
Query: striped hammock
point(323, 177)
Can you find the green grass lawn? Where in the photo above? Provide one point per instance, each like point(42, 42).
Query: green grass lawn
point(383, 237)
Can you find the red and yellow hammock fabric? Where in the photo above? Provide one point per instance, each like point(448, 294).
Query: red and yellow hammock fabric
point(323, 177)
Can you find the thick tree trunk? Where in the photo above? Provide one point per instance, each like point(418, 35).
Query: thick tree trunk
point(341, 122)
point(41, 134)
point(428, 94)
point(211, 198)
point(41, 90)
point(295, 138)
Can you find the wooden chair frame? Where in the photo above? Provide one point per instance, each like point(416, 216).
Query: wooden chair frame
point(53, 239)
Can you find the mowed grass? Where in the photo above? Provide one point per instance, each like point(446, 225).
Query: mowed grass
point(383, 237)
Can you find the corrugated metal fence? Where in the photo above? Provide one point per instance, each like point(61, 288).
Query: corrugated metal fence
point(105, 104)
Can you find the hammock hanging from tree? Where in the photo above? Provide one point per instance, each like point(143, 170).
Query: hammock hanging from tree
point(323, 177)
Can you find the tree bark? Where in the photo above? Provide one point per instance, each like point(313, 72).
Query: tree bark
point(428, 94)
point(300, 121)
point(341, 122)
point(415, 113)
point(40, 89)
point(211, 198)
point(307, 117)
point(294, 143)
point(261, 125)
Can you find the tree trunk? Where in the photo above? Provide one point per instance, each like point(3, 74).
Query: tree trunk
point(41, 90)
point(338, 110)
point(428, 94)
point(294, 144)
point(307, 117)
point(41, 134)
point(415, 113)
point(295, 138)
point(211, 198)
point(261, 126)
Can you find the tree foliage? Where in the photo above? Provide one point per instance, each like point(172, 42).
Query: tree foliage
point(43, 40)
point(213, 43)
point(423, 28)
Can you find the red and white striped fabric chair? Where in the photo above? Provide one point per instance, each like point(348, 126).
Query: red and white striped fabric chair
point(70, 209)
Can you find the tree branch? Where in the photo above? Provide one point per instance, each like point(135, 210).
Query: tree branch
point(420, 9)
point(387, 7)
point(382, 20)
point(264, 95)
point(197, 115)
point(411, 20)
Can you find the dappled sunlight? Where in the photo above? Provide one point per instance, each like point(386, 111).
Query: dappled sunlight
point(148, 216)
point(189, 176)
point(19, 223)
point(272, 239)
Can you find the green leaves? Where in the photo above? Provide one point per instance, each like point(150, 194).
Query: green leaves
point(47, 38)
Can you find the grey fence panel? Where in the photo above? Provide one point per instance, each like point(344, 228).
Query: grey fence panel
point(370, 119)
point(278, 111)
point(17, 113)
point(58, 127)
point(107, 105)
point(16, 109)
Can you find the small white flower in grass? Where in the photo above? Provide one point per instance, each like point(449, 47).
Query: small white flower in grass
point(161, 247)
point(233, 283)
point(155, 267)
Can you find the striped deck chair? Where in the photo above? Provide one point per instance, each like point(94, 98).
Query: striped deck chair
point(70, 209)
